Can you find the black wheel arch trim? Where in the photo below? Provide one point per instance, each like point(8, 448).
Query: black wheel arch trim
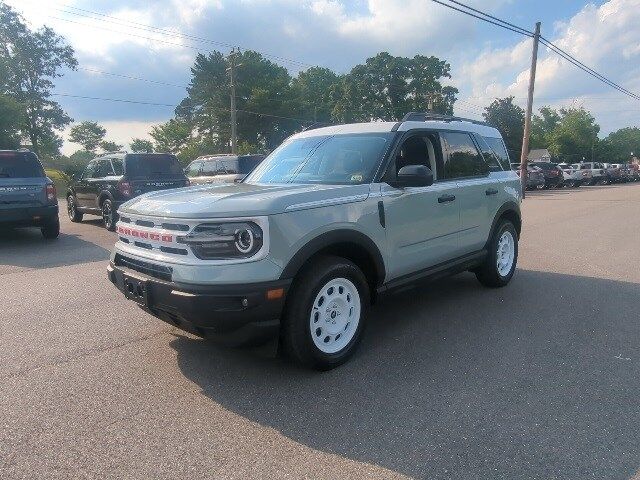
point(506, 207)
point(102, 196)
point(335, 237)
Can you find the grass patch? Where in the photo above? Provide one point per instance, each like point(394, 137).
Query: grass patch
point(60, 179)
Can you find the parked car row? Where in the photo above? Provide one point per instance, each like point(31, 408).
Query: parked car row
point(557, 175)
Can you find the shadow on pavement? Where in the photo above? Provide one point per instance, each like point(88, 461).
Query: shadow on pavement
point(25, 247)
point(457, 381)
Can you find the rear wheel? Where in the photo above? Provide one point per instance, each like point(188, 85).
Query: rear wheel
point(51, 229)
point(72, 210)
point(326, 313)
point(500, 264)
point(109, 216)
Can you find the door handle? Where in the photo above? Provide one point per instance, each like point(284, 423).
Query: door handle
point(446, 198)
point(491, 191)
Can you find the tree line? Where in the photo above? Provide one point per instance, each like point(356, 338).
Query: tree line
point(271, 104)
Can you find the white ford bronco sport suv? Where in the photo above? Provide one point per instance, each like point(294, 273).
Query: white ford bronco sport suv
point(331, 218)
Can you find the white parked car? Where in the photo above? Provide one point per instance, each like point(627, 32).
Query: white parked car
point(597, 169)
point(573, 176)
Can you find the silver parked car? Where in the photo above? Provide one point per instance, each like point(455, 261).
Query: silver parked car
point(222, 168)
point(332, 218)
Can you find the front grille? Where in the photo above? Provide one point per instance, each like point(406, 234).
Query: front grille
point(145, 223)
point(175, 226)
point(157, 271)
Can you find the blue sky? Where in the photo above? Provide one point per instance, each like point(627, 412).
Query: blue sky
point(487, 61)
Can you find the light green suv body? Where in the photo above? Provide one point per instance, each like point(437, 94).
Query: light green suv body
point(391, 227)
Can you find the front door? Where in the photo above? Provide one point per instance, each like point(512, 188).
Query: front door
point(422, 223)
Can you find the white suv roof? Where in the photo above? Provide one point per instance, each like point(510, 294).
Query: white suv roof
point(445, 123)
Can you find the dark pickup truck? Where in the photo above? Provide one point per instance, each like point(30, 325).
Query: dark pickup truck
point(27, 197)
point(112, 179)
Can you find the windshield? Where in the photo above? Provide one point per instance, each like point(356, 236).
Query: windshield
point(325, 159)
point(20, 165)
point(150, 165)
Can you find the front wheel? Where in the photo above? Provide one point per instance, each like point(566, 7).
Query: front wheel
point(326, 312)
point(109, 216)
point(74, 215)
point(500, 264)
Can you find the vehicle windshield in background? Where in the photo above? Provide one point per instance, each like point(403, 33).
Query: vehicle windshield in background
point(20, 165)
point(544, 165)
point(152, 165)
point(326, 159)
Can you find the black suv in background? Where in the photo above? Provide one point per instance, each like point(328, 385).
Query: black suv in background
point(112, 179)
point(553, 176)
point(224, 168)
point(27, 197)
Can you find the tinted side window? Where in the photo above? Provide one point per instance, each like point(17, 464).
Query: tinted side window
point(463, 158)
point(103, 169)
point(489, 156)
point(499, 148)
point(90, 169)
point(230, 165)
point(210, 168)
point(118, 167)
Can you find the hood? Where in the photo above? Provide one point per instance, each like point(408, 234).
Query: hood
point(241, 199)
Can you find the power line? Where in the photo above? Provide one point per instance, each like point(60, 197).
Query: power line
point(140, 26)
point(571, 59)
point(510, 26)
point(140, 102)
point(486, 18)
point(128, 77)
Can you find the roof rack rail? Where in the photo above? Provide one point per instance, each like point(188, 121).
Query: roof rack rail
point(425, 116)
point(315, 125)
point(111, 153)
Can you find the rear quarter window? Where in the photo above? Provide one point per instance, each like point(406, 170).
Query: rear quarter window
point(498, 147)
point(20, 165)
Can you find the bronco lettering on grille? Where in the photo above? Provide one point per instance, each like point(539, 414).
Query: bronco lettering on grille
point(156, 237)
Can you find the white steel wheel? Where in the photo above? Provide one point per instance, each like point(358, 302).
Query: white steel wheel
point(335, 315)
point(506, 253)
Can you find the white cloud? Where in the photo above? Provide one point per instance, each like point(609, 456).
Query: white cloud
point(605, 38)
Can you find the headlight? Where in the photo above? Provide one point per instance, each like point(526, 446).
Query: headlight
point(224, 241)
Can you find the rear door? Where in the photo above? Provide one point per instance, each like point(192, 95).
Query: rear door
point(476, 190)
point(422, 223)
point(82, 186)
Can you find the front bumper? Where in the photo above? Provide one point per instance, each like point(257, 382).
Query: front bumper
point(28, 216)
point(233, 314)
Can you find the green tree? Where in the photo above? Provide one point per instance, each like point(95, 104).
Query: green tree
point(542, 126)
point(139, 145)
point(508, 118)
point(313, 89)
point(576, 135)
point(618, 146)
point(108, 146)
point(172, 136)
point(10, 119)
point(88, 134)
point(29, 62)
point(387, 87)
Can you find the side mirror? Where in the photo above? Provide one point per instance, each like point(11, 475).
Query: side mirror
point(415, 176)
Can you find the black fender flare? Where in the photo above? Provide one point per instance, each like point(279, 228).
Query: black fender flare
point(104, 194)
point(506, 207)
point(336, 237)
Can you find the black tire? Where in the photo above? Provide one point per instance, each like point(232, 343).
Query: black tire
point(109, 216)
point(51, 229)
point(488, 273)
point(74, 215)
point(296, 338)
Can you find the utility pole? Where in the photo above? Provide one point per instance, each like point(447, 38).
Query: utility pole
point(430, 104)
point(527, 120)
point(231, 70)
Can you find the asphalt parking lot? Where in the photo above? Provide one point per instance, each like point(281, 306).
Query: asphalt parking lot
point(540, 379)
